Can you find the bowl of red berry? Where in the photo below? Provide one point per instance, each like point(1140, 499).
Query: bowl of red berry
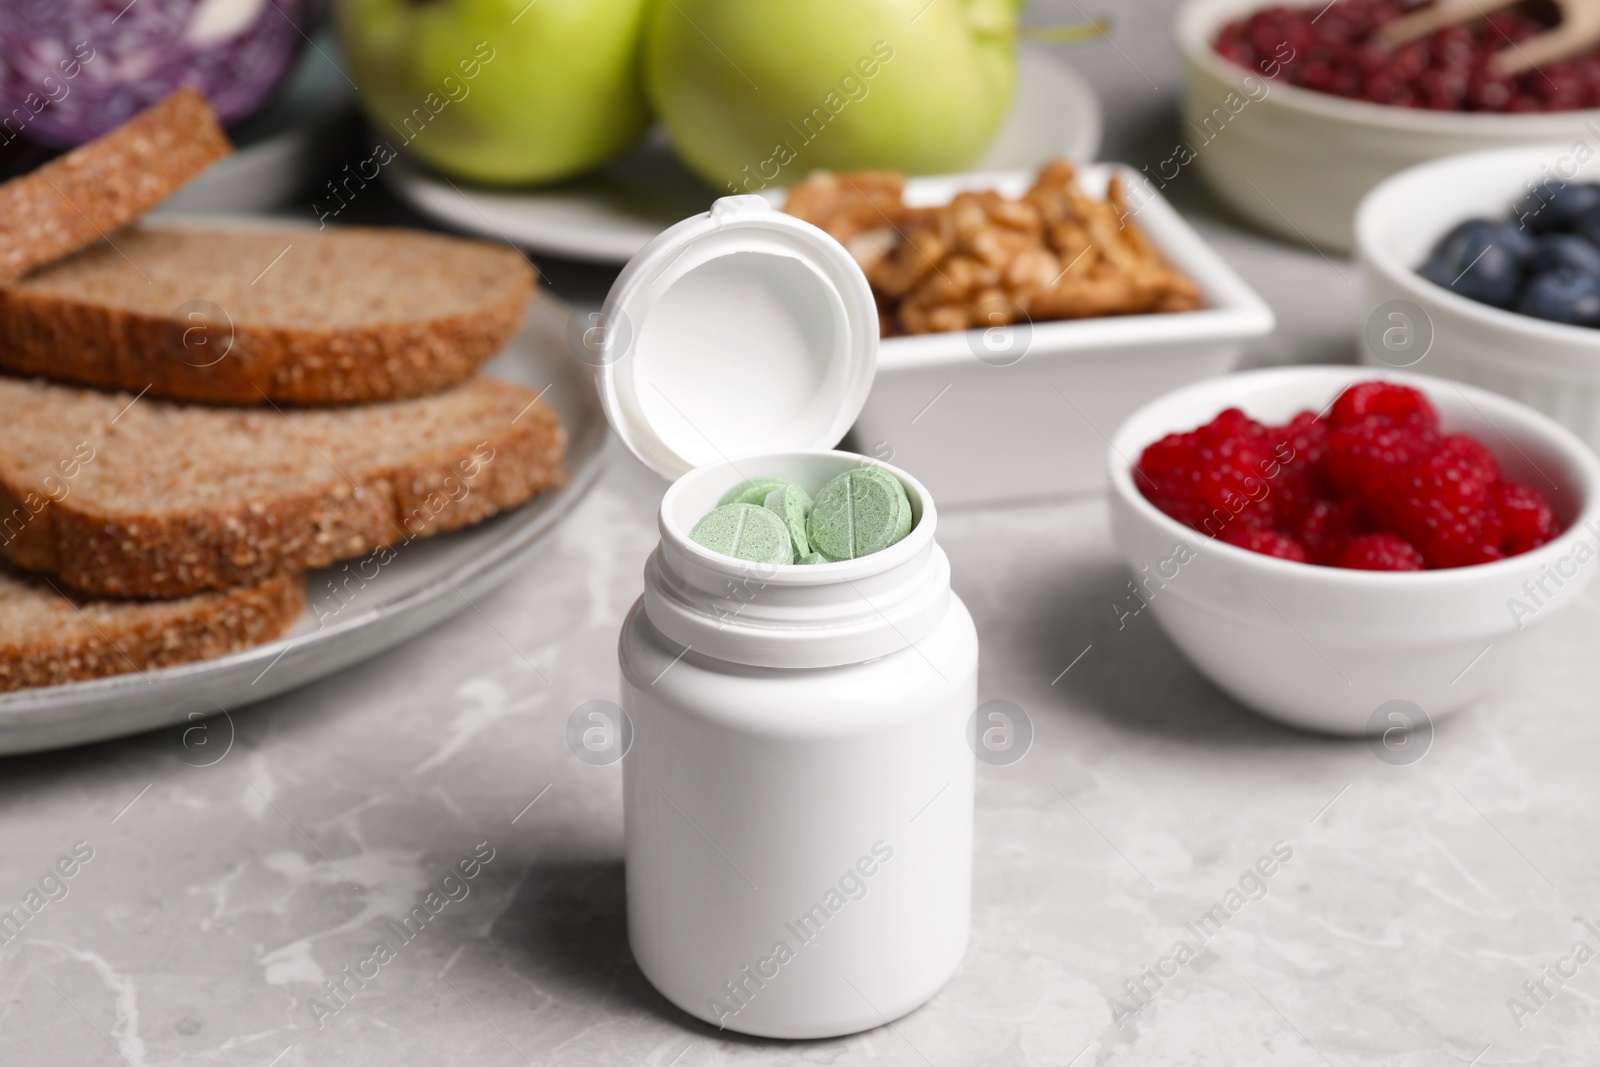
point(1320, 543)
point(1295, 109)
point(1485, 268)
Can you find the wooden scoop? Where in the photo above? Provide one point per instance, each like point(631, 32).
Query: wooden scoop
point(1576, 33)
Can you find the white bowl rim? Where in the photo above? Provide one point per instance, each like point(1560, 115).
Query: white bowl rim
point(1558, 437)
point(1388, 195)
point(1198, 20)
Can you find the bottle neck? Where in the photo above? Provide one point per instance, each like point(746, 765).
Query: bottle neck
point(817, 615)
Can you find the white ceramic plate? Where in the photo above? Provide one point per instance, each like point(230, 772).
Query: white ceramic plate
point(426, 583)
point(608, 217)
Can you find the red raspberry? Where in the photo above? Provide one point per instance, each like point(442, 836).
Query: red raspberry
point(1443, 505)
point(1478, 459)
point(1380, 552)
point(1326, 527)
point(1232, 422)
point(1266, 542)
point(1169, 476)
point(1365, 454)
point(1382, 491)
point(1400, 402)
point(1212, 477)
point(1299, 445)
point(1526, 518)
point(1306, 434)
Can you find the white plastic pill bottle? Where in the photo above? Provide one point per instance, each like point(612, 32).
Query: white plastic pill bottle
point(798, 781)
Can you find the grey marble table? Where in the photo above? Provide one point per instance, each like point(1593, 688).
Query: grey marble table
point(1410, 911)
point(218, 899)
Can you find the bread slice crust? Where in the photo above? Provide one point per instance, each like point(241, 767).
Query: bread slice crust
point(254, 314)
point(51, 636)
point(76, 199)
point(127, 496)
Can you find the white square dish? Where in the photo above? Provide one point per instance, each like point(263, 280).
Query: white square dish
point(1027, 411)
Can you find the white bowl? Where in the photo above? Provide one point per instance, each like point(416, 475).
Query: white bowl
point(1326, 648)
point(1025, 411)
point(1547, 365)
point(1296, 162)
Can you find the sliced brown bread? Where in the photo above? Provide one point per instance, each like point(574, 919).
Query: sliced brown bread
point(50, 635)
point(73, 201)
point(288, 314)
point(123, 496)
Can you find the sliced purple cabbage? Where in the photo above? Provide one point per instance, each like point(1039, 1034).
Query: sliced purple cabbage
point(72, 69)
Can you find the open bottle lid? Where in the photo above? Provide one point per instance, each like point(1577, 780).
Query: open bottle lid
point(738, 331)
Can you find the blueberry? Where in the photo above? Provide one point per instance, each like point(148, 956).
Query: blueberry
point(1482, 260)
point(1588, 227)
point(1563, 295)
point(1557, 205)
point(1554, 250)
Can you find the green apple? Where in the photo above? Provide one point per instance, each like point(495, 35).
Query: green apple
point(757, 94)
point(500, 91)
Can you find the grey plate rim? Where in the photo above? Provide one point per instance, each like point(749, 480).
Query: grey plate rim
point(34, 720)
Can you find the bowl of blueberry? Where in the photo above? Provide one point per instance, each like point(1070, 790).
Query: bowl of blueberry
point(1296, 108)
point(1485, 268)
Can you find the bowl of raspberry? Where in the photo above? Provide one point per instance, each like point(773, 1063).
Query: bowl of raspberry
point(1320, 542)
point(1493, 260)
point(1295, 109)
